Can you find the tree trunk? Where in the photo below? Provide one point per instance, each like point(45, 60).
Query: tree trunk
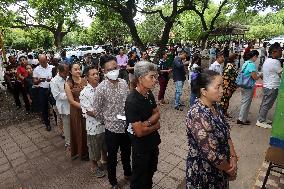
point(58, 38)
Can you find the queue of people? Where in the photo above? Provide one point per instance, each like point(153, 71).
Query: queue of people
point(109, 105)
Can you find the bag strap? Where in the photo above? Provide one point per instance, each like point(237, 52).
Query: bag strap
point(245, 67)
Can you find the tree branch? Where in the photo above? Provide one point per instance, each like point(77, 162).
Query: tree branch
point(217, 14)
point(205, 6)
point(25, 25)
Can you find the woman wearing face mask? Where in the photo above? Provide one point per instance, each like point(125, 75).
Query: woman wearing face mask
point(230, 75)
point(142, 116)
point(249, 70)
point(78, 136)
point(212, 160)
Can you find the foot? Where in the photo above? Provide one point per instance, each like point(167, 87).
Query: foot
point(242, 123)
point(27, 112)
point(181, 104)
point(268, 121)
point(263, 125)
point(99, 173)
point(179, 108)
point(48, 127)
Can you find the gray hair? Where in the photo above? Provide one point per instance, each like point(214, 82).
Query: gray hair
point(142, 68)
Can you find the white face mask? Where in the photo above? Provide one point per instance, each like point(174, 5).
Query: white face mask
point(112, 75)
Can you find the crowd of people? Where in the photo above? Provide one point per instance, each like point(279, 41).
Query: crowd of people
point(106, 104)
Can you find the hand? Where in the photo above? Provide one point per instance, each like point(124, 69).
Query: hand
point(233, 171)
point(48, 80)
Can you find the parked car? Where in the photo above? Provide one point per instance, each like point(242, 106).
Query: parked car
point(279, 39)
point(80, 51)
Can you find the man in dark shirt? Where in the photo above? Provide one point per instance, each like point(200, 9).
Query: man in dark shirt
point(142, 116)
point(179, 77)
point(226, 54)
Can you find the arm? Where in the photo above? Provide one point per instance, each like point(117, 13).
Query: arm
point(255, 76)
point(36, 78)
point(141, 129)
point(57, 95)
point(98, 103)
point(70, 97)
point(86, 105)
point(155, 116)
point(178, 64)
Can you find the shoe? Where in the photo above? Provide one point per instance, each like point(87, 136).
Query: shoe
point(48, 128)
point(99, 173)
point(263, 125)
point(242, 123)
point(179, 108)
point(268, 121)
point(181, 104)
point(115, 187)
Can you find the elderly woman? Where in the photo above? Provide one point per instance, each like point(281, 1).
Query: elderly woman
point(230, 75)
point(212, 160)
point(142, 116)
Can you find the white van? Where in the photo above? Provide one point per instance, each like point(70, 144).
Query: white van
point(279, 39)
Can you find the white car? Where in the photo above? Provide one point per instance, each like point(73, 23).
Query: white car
point(80, 51)
point(279, 39)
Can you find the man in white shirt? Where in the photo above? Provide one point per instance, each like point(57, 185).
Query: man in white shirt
point(95, 129)
point(216, 66)
point(272, 72)
point(63, 107)
point(42, 76)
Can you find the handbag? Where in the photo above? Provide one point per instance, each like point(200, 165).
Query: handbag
point(243, 81)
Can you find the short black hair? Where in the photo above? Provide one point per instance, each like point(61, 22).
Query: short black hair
point(23, 56)
point(274, 47)
point(87, 70)
point(61, 66)
point(105, 59)
point(252, 54)
point(221, 53)
point(182, 52)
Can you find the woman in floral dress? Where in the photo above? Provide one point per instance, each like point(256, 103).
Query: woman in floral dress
point(212, 160)
point(230, 75)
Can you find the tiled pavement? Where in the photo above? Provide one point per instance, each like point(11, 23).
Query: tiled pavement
point(31, 157)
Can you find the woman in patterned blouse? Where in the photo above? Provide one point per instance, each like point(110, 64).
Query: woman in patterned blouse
point(230, 75)
point(212, 160)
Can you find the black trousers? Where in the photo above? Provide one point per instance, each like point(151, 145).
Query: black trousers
point(20, 89)
point(43, 103)
point(113, 142)
point(144, 165)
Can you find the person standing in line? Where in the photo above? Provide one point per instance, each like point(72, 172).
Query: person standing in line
point(109, 102)
point(247, 50)
point(144, 56)
point(226, 54)
point(272, 72)
point(130, 68)
point(78, 135)
point(95, 129)
point(249, 70)
point(212, 159)
point(143, 117)
point(217, 65)
point(263, 55)
point(163, 78)
point(212, 54)
point(63, 107)
point(42, 76)
point(230, 75)
point(122, 60)
point(22, 74)
point(179, 77)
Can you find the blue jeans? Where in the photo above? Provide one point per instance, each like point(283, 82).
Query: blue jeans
point(192, 99)
point(179, 86)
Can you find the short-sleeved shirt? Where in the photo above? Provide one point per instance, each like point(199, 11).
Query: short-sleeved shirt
point(248, 67)
point(41, 72)
point(163, 66)
point(139, 108)
point(271, 69)
point(22, 70)
point(131, 63)
point(217, 67)
point(122, 60)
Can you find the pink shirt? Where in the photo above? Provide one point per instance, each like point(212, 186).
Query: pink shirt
point(122, 60)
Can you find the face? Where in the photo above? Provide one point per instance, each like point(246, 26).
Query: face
point(165, 56)
point(88, 59)
point(64, 74)
point(12, 59)
point(29, 69)
point(42, 60)
point(23, 61)
point(144, 55)
point(149, 81)
point(277, 53)
point(254, 59)
point(214, 90)
point(183, 56)
point(93, 77)
point(76, 70)
point(121, 51)
point(221, 59)
point(134, 55)
point(110, 66)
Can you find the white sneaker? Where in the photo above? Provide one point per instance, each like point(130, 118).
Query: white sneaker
point(263, 125)
point(268, 121)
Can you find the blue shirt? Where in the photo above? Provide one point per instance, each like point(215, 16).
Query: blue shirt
point(248, 67)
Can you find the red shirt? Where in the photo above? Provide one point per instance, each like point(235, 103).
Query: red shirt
point(21, 70)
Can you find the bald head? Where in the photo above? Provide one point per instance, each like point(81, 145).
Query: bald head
point(42, 58)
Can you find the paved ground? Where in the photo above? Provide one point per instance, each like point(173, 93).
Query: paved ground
point(31, 157)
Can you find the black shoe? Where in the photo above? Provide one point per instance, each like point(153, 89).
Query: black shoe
point(243, 123)
point(48, 128)
point(179, 108)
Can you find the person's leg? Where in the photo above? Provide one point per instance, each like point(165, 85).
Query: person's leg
point(162, 88)
point(43, 101)
point(245, 104)
point(261, 61)
point(153, 165)
point(269, 97)
point(178, 93)
point(112, 149)
point(25, 98)
point(125, 148)
point(192, 98)
point(16, 93)
point(140, 175)
point(66, 128)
